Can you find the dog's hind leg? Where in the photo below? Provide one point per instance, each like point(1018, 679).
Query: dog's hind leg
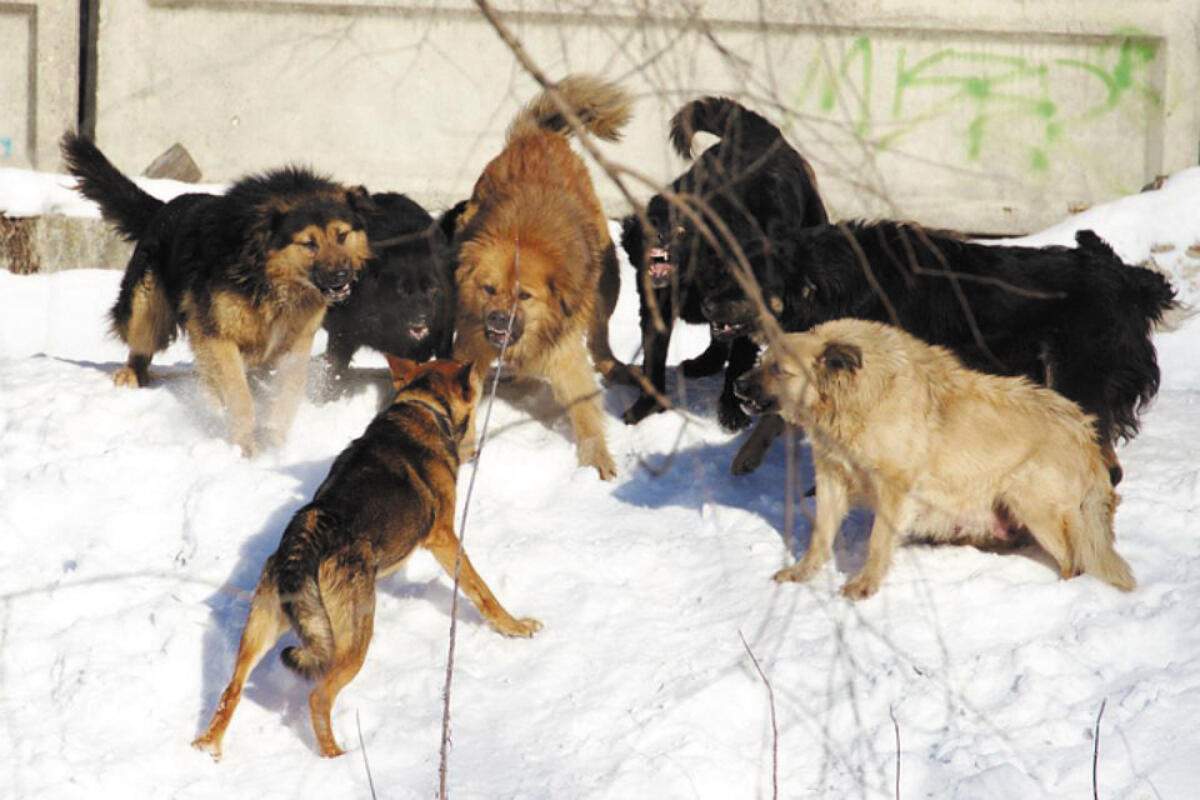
point(348, 593)
point(614, 371)
point(142, 317)
point(445, 548)
point(264, 625)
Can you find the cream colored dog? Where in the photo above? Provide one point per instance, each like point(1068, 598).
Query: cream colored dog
point(936, 449)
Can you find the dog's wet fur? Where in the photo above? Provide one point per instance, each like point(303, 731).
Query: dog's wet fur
point(248, 276)
point(391, 491)
point(751, 175)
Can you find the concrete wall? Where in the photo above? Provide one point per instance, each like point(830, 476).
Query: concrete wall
point(989, 115)
point(39, 65)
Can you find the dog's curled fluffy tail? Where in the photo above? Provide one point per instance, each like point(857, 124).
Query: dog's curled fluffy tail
point(722, 117)
point(125, 206)
point(297, 563)
point(602, 107)
point(1093, 549)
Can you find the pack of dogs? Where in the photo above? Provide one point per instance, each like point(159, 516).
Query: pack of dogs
point(965, 392)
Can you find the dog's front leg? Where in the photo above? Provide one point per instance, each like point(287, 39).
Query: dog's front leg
point(220, 364)
point(893, 517)
point(833, 501)
point(291, 375)
point(575, 389)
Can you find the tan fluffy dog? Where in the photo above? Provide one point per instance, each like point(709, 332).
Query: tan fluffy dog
point(533, 237)
point(936, 449)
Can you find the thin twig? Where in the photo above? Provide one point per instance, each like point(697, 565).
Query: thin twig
point(443, 757)
point(896, 726)
point(363, 746)
point(1096, 750)
point(774, 726)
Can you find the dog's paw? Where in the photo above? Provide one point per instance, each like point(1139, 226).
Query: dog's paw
point(126, 376)
point(748, 458)
point(702, 365)
point(730, 415)
point(523, 628)
point(796, 573)
point(860, 587)
point(208, 744)
point(594, 453)
point(643, 407)
point(330, 749)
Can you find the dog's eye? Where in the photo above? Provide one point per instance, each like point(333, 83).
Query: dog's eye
point(524, 295)
point(310, 244)
point(341, 237)
point(489, 289)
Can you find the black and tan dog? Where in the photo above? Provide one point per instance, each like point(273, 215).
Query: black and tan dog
point(749, 179)
point(248, 275)
point(390, 491)
point(404, 301)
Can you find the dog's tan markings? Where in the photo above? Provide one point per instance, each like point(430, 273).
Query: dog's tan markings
point(221, 368)
point(443, 544)
point(265, 624)
point(148, 330)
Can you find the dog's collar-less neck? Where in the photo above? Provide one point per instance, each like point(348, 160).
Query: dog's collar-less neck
point(440, 413)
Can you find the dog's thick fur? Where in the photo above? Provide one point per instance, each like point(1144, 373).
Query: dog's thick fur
point(404, 301)
point(533, 237)
point(390, 491)
point(247, 275)
point(751, 175)
point(937, 449)
point(1078, 320)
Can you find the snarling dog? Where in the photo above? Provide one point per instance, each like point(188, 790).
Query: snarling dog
point(247, 275)
point(752, 176)
point(1078, 320)
point(390, 491)
point(403, 302)
point(533, 240)
point(936, 449)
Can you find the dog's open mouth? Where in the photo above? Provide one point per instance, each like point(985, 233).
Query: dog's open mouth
point(418, 332)
point(497, 336)
point(729, 330)
point(337, 292)
point(661, 267)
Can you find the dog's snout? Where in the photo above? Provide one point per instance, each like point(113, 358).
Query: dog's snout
point(497, 320)
point(745, 386)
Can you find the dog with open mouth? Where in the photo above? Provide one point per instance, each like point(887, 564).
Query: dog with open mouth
point(248, 275)
point(535, 267)
point(751, 174)
point(404, 301)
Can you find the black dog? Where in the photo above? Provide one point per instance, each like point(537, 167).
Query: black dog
point(1075, 319)
point(752, 178)
point(403, 303)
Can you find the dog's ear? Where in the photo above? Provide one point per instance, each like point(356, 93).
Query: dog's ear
point(841, 356)
point(464, 378)
point(633, 241)
point(360, 202)
point(402, 370)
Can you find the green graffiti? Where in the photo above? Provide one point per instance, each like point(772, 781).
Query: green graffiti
point(993, 90)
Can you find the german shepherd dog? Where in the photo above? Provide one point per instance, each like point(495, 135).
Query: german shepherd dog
point(248, 275)
point(1075, 319)
point(533, 240)
point(404, 301)
point(936, 449)
point(753, 175)
point(391, 490)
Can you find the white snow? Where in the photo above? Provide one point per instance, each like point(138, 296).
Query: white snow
point(131, 534)
point(24, 193)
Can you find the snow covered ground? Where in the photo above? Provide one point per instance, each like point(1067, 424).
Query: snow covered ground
point(131, 534)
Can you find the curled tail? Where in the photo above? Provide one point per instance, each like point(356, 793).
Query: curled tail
point(722, 117)
point(602, 107)
point(304, 544)
point(1093, 546)
point(125, 206)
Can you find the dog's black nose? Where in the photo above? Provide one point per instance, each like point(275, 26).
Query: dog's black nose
point(743, 388)
point(497, 321)
point(340, 277)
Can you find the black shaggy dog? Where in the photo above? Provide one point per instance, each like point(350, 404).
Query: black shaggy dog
point(403, 303)
point(247, 274)
point(750, 179)
point(1075, 319)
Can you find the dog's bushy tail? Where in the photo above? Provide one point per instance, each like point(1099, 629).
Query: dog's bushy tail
point(1142, 299)
point(305, 542)
point(125, 206)
point(1093, 546)
point(602, 107)
point(722, 117)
